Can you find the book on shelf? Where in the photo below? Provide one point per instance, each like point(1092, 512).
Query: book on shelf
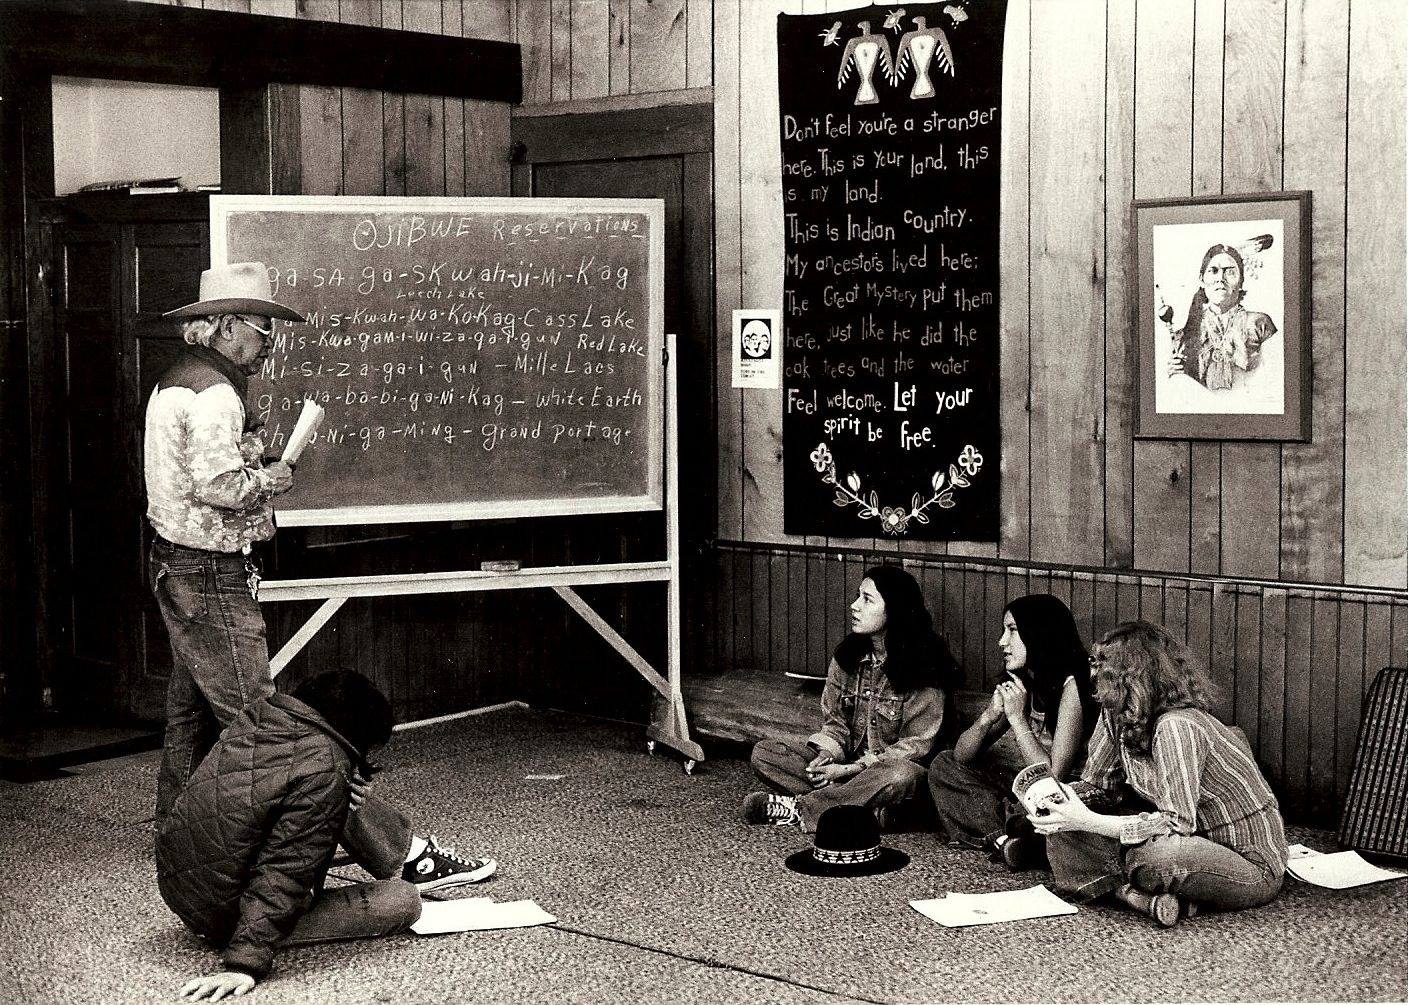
point(133, 186)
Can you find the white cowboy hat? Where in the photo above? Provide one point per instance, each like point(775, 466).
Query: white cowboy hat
point(237, 288)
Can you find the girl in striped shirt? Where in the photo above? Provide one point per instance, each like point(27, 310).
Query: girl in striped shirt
point(1211, 833)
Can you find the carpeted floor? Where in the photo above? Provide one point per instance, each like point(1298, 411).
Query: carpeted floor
point(662, 896)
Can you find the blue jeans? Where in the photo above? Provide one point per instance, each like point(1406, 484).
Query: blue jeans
point(377, 837)
point(220, 655)
point(782, 764)
point(1196, 868)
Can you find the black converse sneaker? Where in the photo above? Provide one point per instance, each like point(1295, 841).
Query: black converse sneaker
point(770, 808)
point(437, 868)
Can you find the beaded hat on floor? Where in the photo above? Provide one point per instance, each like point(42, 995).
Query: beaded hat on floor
point(847, 844)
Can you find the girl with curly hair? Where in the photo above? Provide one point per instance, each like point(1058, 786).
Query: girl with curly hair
point(1041, 713)
point(887, 699)
point(1212, 833)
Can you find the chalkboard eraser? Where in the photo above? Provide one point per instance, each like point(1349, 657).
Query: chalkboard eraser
point(500, 565)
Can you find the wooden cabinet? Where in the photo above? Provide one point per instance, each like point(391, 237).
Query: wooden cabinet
point(115, 264)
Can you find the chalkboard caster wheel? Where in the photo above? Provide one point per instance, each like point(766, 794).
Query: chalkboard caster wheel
point(668, 729)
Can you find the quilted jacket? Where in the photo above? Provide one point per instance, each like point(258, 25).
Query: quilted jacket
point(251, 837)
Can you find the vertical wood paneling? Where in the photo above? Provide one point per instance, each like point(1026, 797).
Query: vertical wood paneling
point(591, 49)
point(1254, 60)
point(533, 32)
point(425, 116)
point(1120, 357)
point(393, 118)
point(728, 253)
point(743, 589)
point(1014, 302)
point(1176, 609)
point(1271, 729)
point(1205, 467)
point(1312, 475)
point(1376, 420)
point(658, 54)
point(798, 659)
point(1248, 665)
point(762, 254)
point(452, 23)
point(1349, 691)
point(559, 13)
point(1296, 739)
point(1162, 155)
point(1324, 672)
point(363, 162)
point(1200, 623)
point(1082, 606)
point(1224, 651)
point(699, 43)
point(319, 121)
point(1067, 277)
point(619, 53)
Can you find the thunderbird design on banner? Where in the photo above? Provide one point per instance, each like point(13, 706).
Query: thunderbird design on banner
point(891, 175)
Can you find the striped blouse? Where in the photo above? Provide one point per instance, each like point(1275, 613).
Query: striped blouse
point(1201, 776)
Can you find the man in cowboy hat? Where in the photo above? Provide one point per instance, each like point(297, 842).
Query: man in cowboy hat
point(209, 499)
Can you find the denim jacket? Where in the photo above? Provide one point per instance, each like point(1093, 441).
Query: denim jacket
point(865, 720)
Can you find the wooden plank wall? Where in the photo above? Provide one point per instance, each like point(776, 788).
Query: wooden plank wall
point(580, 50)
point(1291, 664)
point(1159, 98)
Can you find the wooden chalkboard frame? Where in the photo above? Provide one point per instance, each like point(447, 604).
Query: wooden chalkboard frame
point(223, 207)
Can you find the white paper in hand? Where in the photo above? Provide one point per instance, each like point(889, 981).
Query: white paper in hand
point(309, 419)
point(477, 914)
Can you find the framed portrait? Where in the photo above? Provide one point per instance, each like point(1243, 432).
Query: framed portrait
point(1223, 317)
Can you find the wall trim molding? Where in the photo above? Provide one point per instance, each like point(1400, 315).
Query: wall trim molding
point(1341, 591)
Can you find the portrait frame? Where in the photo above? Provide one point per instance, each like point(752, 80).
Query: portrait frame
point(1242, 372)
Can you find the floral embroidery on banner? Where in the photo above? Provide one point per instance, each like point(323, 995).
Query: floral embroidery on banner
point(894, 520)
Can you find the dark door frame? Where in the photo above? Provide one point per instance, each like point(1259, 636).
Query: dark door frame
point(684, 131)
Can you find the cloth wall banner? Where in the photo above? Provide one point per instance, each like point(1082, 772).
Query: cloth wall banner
point(890, 183)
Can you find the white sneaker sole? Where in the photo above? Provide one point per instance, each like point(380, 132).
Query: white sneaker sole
point(460, 878)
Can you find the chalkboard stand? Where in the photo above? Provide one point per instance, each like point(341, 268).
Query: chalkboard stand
point(668, 725)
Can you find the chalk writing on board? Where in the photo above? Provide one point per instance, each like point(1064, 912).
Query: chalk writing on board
point(890, 133)
point(487, 358)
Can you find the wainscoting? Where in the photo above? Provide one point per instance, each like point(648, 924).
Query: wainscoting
point(1292, 663)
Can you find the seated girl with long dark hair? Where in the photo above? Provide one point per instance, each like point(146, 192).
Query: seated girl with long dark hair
point(1042, 713)
point(1214, 835)
point(886, 701)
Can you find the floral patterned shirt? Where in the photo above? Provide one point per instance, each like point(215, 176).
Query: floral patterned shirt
point(206, 483)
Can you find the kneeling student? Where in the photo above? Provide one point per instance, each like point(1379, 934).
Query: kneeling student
point(243, 854)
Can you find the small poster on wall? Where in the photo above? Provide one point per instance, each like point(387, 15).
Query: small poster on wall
point(890, 184)
point(757, 348)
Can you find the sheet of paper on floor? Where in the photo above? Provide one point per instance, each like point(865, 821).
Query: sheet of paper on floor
point(477, 914)
point(1340, 870)
point(959, 910)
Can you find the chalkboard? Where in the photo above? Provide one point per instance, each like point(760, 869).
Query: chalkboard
point(477, 358)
